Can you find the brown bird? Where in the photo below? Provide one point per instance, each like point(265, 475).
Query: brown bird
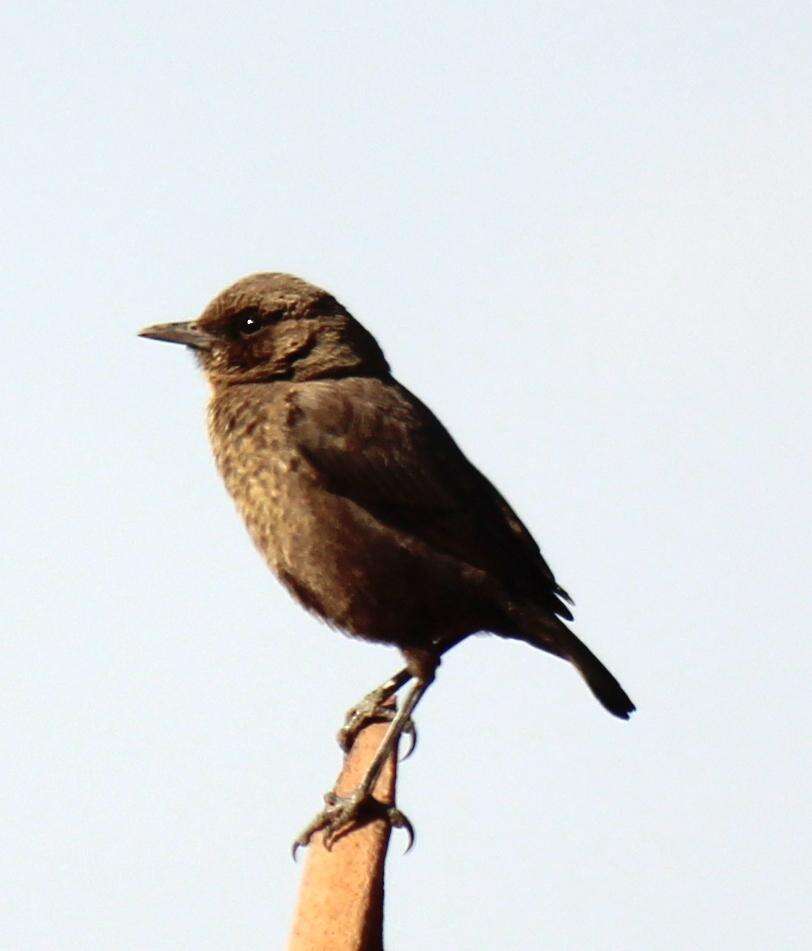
point(362, 503)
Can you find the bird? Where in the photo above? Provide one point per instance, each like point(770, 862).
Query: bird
point(364, 506)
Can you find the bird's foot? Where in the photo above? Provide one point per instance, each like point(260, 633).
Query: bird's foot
point(342, 813)
point(373, 709)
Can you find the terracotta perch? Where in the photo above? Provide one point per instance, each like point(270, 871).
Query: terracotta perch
point(340, 905)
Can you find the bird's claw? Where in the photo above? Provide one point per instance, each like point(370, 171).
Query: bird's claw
point(372, 709)
point(341, 813)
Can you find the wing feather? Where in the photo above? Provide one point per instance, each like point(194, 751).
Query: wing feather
point(377, 444)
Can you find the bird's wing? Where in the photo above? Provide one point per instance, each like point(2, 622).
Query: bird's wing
point(375, 443)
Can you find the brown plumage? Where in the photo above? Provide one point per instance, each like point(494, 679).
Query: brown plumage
point(357, 496)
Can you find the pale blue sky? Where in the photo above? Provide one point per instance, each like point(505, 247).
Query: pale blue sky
point(580, 231)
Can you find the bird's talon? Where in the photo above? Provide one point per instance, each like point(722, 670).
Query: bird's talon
point(398, 820)
point(372, 709)
point(341, 813)
point(409, 730)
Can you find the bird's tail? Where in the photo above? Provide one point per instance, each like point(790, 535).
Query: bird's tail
point(554, 636)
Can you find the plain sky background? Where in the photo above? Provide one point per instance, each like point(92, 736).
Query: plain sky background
point(581, 232)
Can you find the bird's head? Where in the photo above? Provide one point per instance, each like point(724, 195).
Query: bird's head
point(275, 326)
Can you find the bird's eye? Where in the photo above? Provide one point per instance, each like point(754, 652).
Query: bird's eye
point(248, 322)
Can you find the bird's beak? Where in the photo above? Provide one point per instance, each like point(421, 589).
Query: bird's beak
point(186, 332)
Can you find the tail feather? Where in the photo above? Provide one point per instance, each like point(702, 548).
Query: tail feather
point(600, 681)
point(557, 638)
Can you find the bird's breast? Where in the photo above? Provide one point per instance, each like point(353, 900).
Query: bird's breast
point(262, 469)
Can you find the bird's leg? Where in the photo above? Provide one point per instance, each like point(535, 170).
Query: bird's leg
point(340, 812)
point(372, 708)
